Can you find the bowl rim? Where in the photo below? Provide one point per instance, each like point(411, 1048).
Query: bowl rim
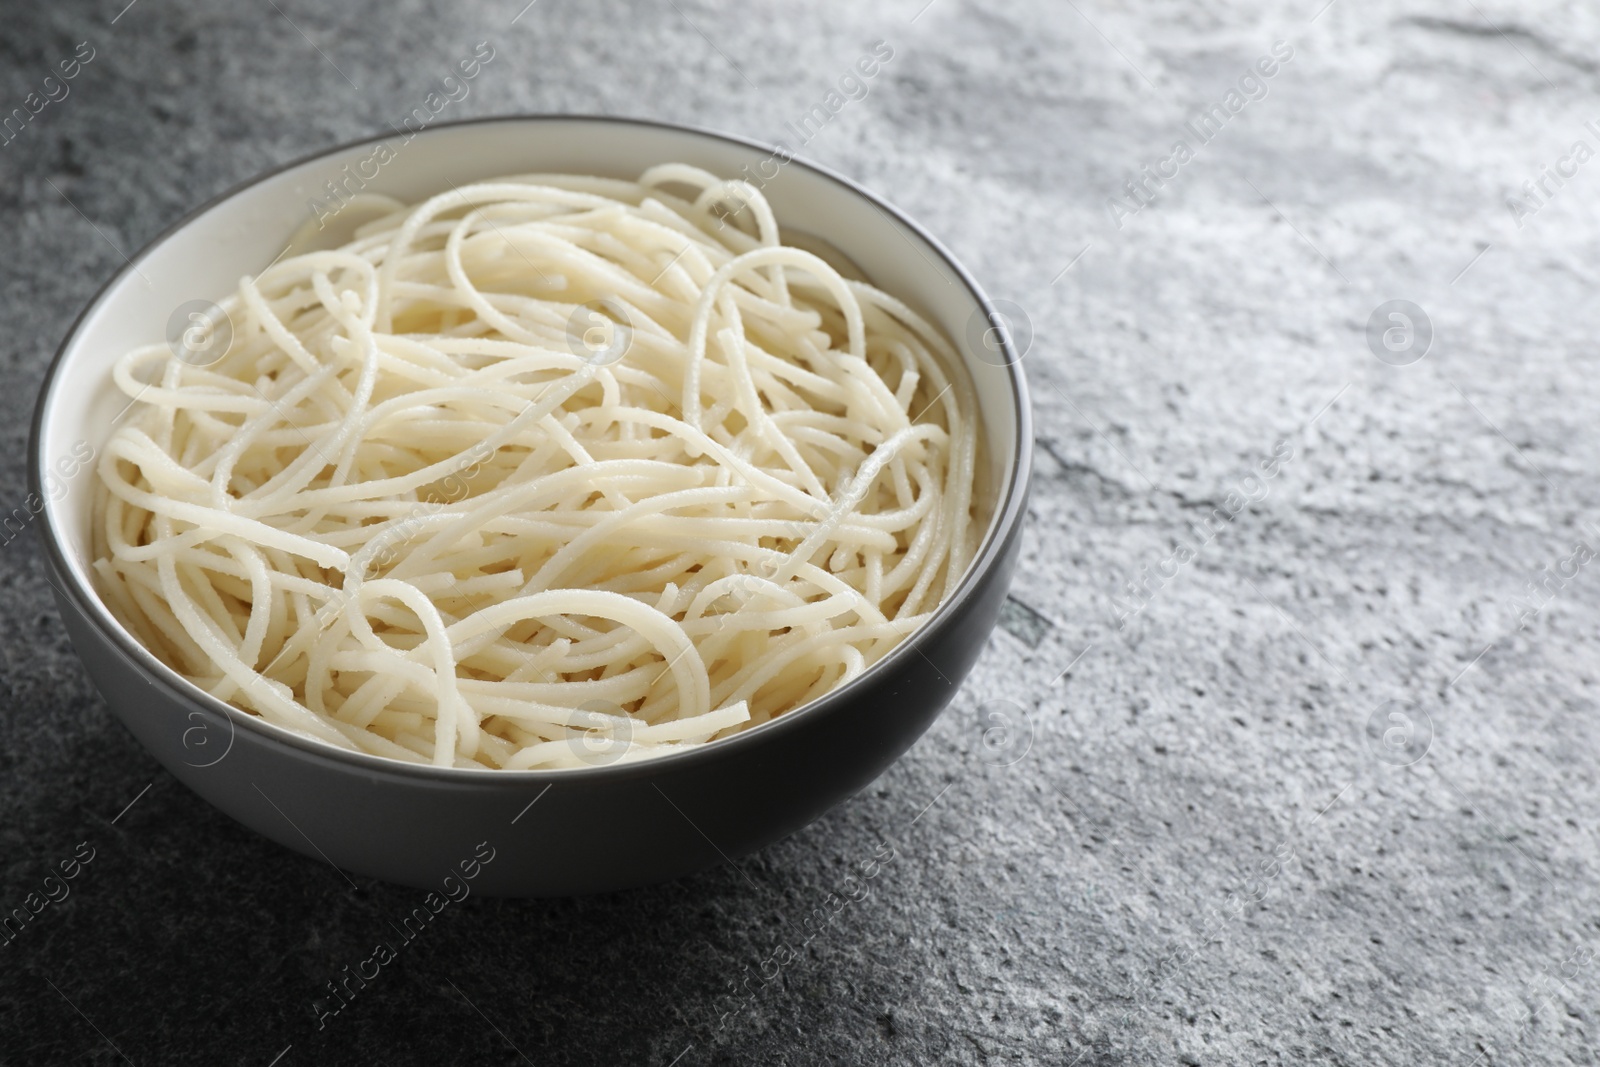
point(1008, 512)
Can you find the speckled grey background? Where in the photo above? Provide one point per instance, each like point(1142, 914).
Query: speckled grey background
point(1201, 838)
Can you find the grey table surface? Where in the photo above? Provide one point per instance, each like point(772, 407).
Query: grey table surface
point(1316, 787)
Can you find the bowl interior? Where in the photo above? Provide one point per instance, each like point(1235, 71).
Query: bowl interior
point(204, 257)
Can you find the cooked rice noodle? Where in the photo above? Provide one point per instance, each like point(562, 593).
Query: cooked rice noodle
point(545, 471)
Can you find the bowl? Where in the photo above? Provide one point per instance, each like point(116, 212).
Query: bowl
point(523, 833)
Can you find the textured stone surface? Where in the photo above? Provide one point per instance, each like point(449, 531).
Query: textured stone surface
point(1188, 847)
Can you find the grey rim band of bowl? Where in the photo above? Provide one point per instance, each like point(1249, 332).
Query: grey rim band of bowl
point(1004, 522)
